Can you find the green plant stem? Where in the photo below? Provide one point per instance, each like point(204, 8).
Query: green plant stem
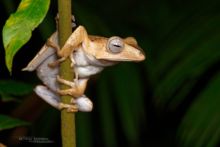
point(66, 72)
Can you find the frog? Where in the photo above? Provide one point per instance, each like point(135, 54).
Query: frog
point(89, 55)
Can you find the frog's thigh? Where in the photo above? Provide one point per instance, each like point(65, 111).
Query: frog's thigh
point(53, 99)
point(84, 103)
point(48, 96)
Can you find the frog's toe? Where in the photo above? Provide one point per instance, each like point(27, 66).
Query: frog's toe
point(68, 107)
point(63, 92)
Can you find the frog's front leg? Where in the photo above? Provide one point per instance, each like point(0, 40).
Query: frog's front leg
point(52, 44)
point(77, 88)
point(78, 37)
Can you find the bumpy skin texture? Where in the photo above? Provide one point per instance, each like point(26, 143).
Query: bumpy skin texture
point(89, 54)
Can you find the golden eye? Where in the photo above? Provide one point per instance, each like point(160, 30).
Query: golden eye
point(115, 45)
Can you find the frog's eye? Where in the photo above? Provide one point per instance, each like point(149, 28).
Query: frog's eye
point(115, 45)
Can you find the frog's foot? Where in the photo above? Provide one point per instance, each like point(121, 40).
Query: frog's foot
point(50, 43)
point(82, 104)
point(65, 82)
point(68, 107)
point(56, 63)
point(76, 90)
point(72, 19)
point(53, 45)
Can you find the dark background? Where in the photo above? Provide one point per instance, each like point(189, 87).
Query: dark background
point(171, 99)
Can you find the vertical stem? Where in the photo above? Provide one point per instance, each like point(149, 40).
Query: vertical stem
point(66, 72)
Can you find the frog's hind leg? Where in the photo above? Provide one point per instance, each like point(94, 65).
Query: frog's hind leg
point(84, 103)
point(53, 99)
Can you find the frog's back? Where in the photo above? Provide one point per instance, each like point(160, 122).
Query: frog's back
point(42, 55)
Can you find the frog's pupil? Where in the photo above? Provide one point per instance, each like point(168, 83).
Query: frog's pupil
point(115, 45)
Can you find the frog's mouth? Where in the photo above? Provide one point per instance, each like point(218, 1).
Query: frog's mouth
point(107, 62)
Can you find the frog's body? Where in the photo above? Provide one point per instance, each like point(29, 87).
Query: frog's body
point(89, 54)
point(48, 92)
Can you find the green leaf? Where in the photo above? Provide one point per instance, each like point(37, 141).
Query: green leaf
point(195, 55)
point(8, 98)
point(7, 122)
point(184, 42)
point(18, 28)
point(14, 88)
point(200, 126)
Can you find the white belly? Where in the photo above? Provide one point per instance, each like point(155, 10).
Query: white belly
point(86, 66)
point(86, 71)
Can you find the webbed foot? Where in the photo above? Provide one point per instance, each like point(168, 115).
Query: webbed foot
point(69, 107)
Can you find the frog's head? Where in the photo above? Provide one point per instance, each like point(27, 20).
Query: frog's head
point(116, 49)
